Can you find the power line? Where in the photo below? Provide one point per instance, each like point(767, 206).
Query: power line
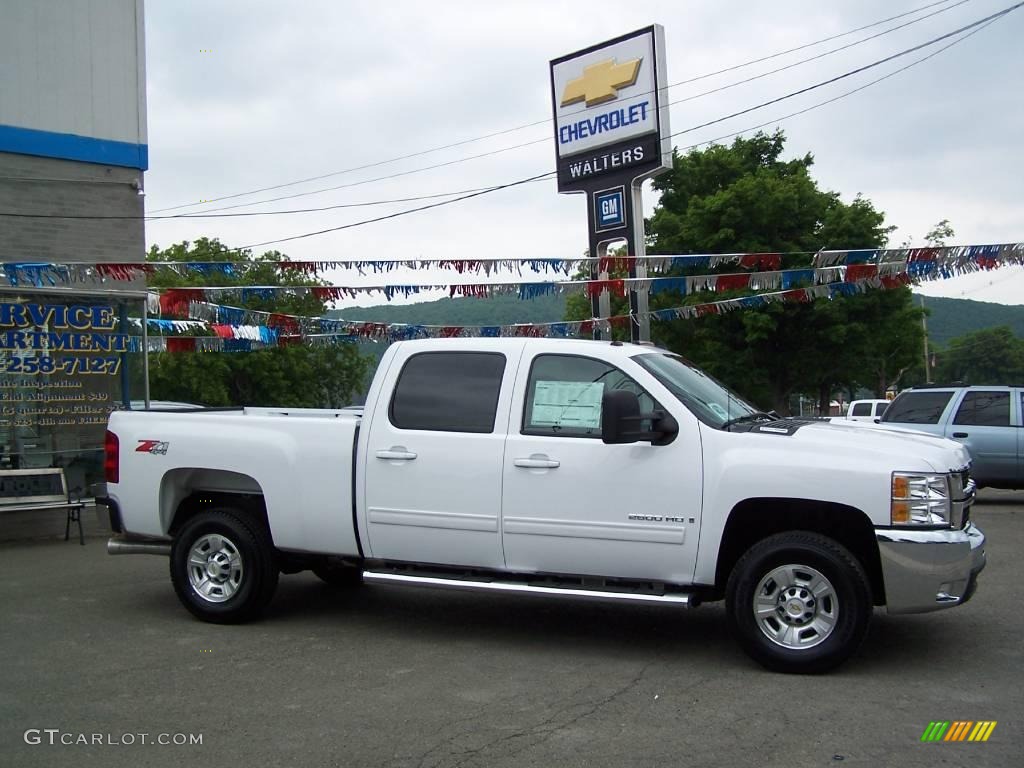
point(841, 95)
point(858, 70)
point(548, 119)
point(248, 213)
point(534, 142)
point(976, 26)
point(980, 23)
point(379, 178)
point(396, 214)
point(822, 55)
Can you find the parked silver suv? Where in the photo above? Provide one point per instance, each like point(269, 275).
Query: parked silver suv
point(986, 420)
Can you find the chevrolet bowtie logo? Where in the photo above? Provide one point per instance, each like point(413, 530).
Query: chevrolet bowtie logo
point(601, 82)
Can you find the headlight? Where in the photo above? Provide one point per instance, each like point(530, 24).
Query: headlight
point(920, 499)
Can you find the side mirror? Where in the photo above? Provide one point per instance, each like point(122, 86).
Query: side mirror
point(621, 421)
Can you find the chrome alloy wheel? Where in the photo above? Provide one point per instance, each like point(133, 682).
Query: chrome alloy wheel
point(215, 568)
point(796, 607)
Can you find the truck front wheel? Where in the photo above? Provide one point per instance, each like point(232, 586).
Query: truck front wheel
point(223, 566)
point(799, 602)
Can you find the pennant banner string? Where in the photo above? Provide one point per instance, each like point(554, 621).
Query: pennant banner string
point(959, 257)
point(296, 327)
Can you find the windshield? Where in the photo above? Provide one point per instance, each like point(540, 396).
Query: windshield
point(710, 401)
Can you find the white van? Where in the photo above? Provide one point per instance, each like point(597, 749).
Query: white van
point(866, 410)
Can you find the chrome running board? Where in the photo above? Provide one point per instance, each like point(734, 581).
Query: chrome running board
point(121, 546)
point(512, 588)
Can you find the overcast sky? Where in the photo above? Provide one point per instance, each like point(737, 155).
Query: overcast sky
point(254, 93)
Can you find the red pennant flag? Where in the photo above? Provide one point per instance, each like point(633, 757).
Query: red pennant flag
point(731, 282)
point(895, 281)
point(856, 272)
point(763, 262)
point(123, 270)
point(285, 324)
point(305, 267)
point(175, 302)
point(922, 254)
point(181, 345)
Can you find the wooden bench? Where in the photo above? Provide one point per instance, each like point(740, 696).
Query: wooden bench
point(26, 490)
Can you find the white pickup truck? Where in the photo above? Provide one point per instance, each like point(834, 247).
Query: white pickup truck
point(581, 469)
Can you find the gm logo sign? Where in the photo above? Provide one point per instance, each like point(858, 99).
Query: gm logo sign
point(609, 209)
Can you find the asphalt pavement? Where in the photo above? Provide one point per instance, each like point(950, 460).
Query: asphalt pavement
point(97, 649)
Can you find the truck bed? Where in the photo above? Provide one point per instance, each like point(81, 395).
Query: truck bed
point(303, 457)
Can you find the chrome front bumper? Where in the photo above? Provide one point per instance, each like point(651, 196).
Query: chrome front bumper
point(929, 570)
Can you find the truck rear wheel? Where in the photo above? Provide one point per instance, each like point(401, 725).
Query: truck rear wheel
point(799, 602)
point(223, 566)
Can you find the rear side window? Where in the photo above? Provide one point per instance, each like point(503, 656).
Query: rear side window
point(917, 408)
point(861, 409)
point(448, 392)
point(984, 409)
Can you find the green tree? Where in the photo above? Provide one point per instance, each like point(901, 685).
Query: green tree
point(990, 356)
point(744, 198)
point(296, 376)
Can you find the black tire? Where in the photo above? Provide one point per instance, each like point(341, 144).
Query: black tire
point(256, 579)
point(339, 575)
point(842, 615)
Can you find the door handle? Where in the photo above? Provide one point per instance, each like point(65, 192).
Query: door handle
point(959, 434)
point(396, 453)
point(537, 461)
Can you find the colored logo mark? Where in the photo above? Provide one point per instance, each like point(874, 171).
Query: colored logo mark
point(601, 82)
point(610, 209)
point(958, 730)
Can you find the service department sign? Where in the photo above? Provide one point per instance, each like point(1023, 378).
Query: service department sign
point(609, 110)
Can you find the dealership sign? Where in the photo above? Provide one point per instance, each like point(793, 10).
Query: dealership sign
point(609, 110)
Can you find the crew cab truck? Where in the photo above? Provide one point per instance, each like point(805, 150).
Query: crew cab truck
point(563, 468)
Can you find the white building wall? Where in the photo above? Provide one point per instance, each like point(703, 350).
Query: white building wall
point(72, 67)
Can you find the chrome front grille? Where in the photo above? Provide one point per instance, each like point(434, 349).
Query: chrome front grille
point(961, 496)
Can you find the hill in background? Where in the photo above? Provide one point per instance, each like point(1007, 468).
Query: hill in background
point(949, 317)
point(499, 310)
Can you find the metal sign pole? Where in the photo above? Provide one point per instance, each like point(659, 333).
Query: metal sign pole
point(639, 301)
point(145, 351)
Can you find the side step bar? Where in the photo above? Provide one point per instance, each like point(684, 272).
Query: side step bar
point(512, 588)
point(121, 546)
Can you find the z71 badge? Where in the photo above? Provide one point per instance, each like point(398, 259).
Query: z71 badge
point(152, 446)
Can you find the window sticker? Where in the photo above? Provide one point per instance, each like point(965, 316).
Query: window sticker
point(567, 404)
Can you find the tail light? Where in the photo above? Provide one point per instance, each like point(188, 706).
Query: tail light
point(111, 460)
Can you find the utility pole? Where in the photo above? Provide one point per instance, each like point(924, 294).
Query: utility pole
point(927, 361)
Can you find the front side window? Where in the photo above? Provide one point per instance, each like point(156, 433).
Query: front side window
point(917, 408)
point(984, 409)
point(564, 392)
point(448, 392)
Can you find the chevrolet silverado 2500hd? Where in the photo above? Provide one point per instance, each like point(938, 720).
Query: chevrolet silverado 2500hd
point(582, 469)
